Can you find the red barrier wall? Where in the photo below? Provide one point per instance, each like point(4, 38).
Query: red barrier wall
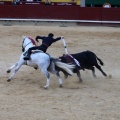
point(59, 12)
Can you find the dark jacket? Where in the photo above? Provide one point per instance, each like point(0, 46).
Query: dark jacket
point(47, 40)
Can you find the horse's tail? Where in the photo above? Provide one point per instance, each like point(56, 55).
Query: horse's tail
point(100, 61)
point(66, 67)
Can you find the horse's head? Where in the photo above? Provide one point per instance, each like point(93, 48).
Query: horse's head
point(27, 43)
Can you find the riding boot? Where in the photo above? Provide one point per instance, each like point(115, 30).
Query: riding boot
point(27, 57)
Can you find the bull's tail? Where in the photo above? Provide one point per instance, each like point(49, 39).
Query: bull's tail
point(100, 61)
point(94, 55)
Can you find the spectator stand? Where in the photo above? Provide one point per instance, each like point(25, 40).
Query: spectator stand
point(62, 2)
point(31, 2)
point(39, 2)
point(21, 2)
point(6, 2)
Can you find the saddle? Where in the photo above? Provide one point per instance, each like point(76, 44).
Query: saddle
point(33, 52)
point(37, 51)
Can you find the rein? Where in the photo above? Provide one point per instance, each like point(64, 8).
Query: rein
point(28, 44)
point(31, 41)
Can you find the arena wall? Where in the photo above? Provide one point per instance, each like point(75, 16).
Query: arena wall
point(59, 12)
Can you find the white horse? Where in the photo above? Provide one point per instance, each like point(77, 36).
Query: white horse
point(42, 61)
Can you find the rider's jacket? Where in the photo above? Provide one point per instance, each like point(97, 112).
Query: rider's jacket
point(47, 41)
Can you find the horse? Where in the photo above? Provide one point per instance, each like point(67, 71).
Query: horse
point(86, 59)
point(41, 60)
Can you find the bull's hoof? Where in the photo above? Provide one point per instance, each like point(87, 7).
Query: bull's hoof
point(105, 75)
point(8, 71)
point(60, 85)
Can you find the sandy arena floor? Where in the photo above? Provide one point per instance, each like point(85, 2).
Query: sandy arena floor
point(24, 98)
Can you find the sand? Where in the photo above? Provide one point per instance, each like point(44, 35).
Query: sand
point(24, 98)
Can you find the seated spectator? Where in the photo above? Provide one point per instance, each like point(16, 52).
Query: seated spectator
point(16, 2)
point(47, 2)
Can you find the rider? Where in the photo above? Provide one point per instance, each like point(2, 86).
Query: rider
point(46, 42)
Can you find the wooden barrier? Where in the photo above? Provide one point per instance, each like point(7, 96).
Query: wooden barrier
point(59, 12)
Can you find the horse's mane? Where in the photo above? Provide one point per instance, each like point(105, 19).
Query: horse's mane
point(32, 40)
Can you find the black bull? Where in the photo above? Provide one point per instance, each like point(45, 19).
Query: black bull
point(87, 60)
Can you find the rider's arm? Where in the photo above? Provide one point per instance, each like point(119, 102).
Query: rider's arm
point(39, 37)
point(56, 39)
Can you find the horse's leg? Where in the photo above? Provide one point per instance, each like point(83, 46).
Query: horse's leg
point(15, 71)
point(79, 76)
point(46, 73)
point(53, 71)
point(59, 79)
point(12, 67)
point(48, 80)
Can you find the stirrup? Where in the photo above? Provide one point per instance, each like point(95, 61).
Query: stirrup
point(26, 58)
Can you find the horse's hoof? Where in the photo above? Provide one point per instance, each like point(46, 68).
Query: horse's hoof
point(45, 87)
point(94, 76)
point(8, 71)
point(80, 81)
point(8, 80)
point(60, 85)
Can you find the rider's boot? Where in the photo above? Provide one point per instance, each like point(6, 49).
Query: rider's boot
point(27, 57)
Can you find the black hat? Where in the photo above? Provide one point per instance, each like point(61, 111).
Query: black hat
point(50, 35)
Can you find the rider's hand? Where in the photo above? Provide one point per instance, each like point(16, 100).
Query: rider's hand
point(62, 37)
point(36, 39)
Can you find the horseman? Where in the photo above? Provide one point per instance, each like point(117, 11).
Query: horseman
point(46, 42)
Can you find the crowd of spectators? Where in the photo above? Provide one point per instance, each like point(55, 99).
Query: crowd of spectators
point(40, 2)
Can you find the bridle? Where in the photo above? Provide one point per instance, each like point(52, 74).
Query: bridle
point(23, 48)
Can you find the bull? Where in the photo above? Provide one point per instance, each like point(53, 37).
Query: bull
point(86, 59)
